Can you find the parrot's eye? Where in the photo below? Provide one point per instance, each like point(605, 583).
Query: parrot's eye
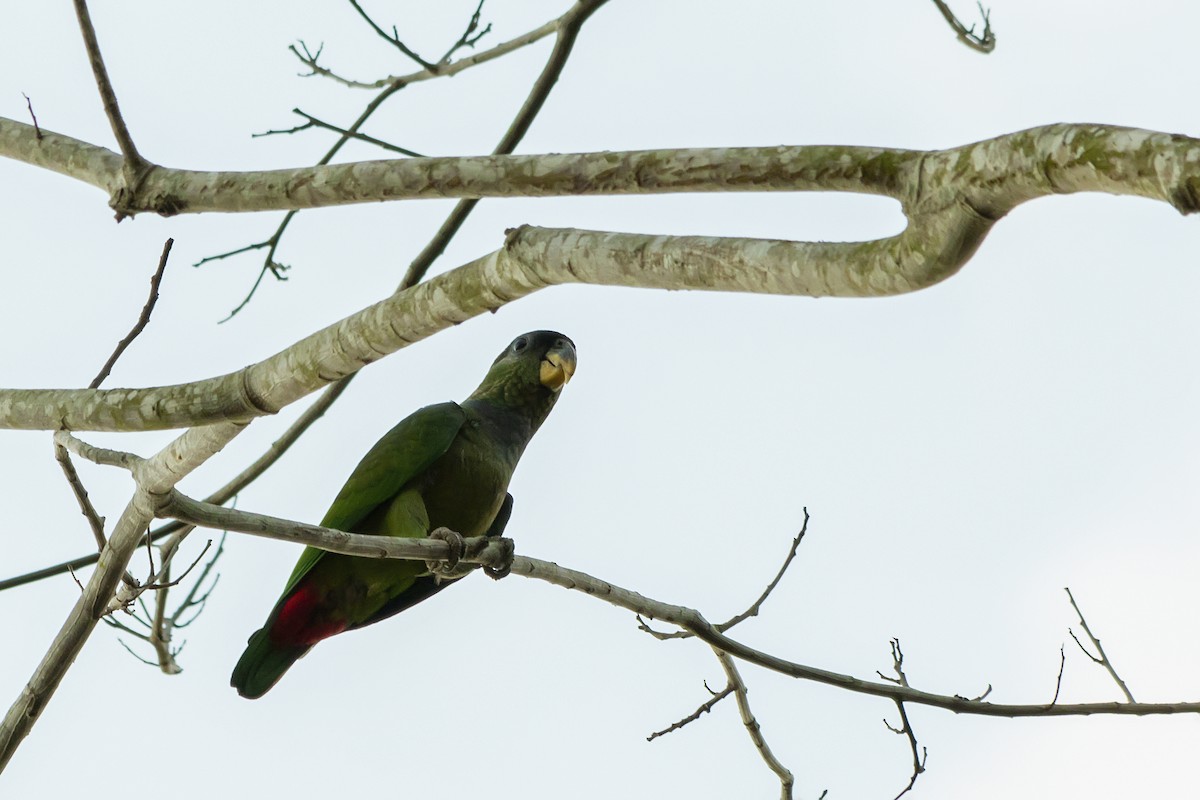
point(520, 344)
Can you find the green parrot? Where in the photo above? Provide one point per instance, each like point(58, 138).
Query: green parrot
point(446, 465)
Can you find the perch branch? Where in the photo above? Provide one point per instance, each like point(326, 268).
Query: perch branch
point(482, 550)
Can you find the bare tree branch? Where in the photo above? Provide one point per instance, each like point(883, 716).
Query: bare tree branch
point(95, 521)
point(754, 608)
point(154, 476)
point(691, 619)
point(143, 319)
point(313, 122)
point(704, 708)
point(29, 104)
point(309, 59)
point(568, 27)
point(393, 38)
point(1062, 664)
point(485, 550)
point(952, 197)
point(983, 42)
point(134, 166)
point(1103, 659)
point(905, 729)
point(219, 497)
point(482, 550)
point(470, 35)
point(786, 780)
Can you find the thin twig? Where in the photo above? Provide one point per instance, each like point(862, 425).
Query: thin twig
point(467, 39)
point(37, 131)
point(313, 122)
point(309, 59)
point(704, 708)
point(163, 580)
point(161, 624)
point(786, 780)
point(143, 319)
point(754, 608)
point(272, 243)
point(134, 163)
point(393, 39)
point(982, 43)
point(160, 631)
point(567, 27)
point(135, 655)
point(905, 729)
point(1103, 660)
point(95, 521)
point(191, 599)
point(1062, 664)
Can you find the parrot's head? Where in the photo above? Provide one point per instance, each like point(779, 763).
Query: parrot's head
point(530, 372)
point(547, 356)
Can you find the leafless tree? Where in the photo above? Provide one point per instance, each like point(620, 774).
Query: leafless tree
point(951, 199)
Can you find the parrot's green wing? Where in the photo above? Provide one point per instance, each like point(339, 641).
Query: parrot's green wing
point(403, 453)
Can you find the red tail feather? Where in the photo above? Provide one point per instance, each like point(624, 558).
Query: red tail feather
point(295, 625)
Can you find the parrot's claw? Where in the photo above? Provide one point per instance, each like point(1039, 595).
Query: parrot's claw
point(454, 540)
point(502, 571)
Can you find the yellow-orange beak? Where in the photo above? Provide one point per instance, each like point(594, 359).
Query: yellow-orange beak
point(558, 366)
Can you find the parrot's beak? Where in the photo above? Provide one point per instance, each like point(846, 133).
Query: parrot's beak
point(558, 366)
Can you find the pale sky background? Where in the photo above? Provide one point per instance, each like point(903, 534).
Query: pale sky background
point(965, 452)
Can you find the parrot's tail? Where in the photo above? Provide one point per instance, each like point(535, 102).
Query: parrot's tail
point(263, 664)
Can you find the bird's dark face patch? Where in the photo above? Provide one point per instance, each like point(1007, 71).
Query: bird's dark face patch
point(546, 356)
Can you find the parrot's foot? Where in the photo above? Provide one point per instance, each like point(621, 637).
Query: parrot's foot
point(454, 540)
point(505, 567)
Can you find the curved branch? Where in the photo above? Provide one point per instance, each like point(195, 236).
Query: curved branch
point(991, 176)
point(952, 198)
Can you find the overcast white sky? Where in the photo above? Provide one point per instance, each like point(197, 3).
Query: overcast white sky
point(965, 452)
